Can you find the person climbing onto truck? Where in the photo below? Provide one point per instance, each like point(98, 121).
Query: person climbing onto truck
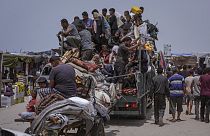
point(62, 77)
point(160, 89)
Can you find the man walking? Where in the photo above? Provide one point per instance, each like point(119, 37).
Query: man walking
point(160, 89)
point(176, 85)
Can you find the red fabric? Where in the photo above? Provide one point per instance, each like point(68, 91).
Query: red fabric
point(88, 66)
point(31, 105)
point(205, 85)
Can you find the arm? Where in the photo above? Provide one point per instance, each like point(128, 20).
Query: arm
point(52, 84)
point(68, 30)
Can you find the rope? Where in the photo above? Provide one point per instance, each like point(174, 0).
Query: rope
point(123, 75)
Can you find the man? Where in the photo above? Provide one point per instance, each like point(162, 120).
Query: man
point(71, 34)
point(196, 92)
point(176, 85)
point(98, 30)
point(160, 89)
point(122, 56)
point(188, 92)
point(205, 95)
point(87, 21)
point(113, 21)
point(86, 43)
point(62, 77)
point(104, 13)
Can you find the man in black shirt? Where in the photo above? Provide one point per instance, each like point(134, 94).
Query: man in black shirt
point(160, 89)
point(62, 77)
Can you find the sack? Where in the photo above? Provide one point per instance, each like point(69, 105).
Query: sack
point(136, 10)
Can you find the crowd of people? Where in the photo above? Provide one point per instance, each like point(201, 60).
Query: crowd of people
point(182, 86)
point(112, 40)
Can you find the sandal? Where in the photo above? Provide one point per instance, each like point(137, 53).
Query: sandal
point(173, 120)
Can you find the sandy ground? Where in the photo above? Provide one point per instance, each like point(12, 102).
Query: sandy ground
point(124, 126)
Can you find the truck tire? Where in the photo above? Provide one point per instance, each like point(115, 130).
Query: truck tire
point(98, 129)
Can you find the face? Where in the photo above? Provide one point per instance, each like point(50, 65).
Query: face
point(42, 85)
point(104, 13)
point(64, 25)
point(33, 95)
point(110, 12)
point(85, 17)
point(128, 43)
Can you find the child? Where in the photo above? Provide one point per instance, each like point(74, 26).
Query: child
point(30, 113)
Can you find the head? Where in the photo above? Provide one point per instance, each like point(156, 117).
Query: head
point(104, 11)
point(104, 48)
point(80, 26)
point(96, 59)
point(127, 41)
point(191, 72)
point(142, 9)
point(138, 21)
point(76, 18)
point(55, 60)
point(95, 14)
point(126, 29)
point(126, 13)
point(175, 71)
point(33, 95)
point(111, 11)
point(160, 70)
point(64, 23)
point(207, 71)
point(85, 15)
point(128, 18)
point(184, 67)
point(42, 81)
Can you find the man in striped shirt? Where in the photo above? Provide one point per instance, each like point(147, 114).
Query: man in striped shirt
point(176, 85)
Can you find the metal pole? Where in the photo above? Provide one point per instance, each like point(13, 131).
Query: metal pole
point(1, 61)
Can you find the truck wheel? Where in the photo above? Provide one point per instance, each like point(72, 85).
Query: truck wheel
point(98, 129)
point(28, 130)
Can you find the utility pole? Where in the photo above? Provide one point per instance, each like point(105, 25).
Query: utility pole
point(1, 61)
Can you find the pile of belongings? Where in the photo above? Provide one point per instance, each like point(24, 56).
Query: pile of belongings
point(66, 112)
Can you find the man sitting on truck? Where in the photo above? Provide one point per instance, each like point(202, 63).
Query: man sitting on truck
point(62, 77)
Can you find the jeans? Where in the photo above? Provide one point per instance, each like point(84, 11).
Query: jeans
point(197, 100)
point(159, 106)
point(205, 105)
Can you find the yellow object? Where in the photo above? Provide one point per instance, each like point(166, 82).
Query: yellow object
point(136, 10)
point(149, 47)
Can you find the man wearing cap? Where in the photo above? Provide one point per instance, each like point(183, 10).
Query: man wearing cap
point(62, 77)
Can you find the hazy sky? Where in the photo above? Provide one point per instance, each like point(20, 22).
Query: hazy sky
point(31, 25)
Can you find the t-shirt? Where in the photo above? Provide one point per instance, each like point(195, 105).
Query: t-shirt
point(85, 39)
point(64, 78)
point(73, 31)
point(122, 54)
point(188, 83)
point(176, 85)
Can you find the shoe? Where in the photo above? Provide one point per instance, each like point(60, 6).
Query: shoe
point(173, 120)
point(191, 114)
point(157, 122)
point(187, 112)
point(161, 121)
point(178, 120)
point(196, 118)
point(206, 120)
point(202, 119)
